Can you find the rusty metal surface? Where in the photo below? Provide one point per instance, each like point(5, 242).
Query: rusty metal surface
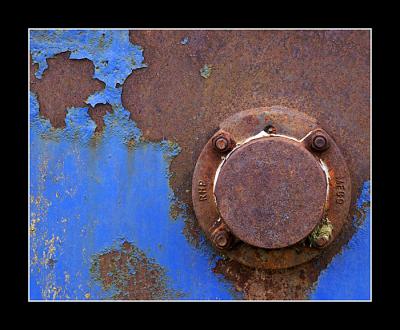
point(333, 206)
point(323, 73)
point(271, 192)
point(131, 274)
point(66, 84)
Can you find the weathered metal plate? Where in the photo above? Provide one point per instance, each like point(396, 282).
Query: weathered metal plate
point(271, 192)
point(112, 153)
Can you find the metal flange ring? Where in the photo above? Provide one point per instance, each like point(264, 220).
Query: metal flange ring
point(265, 185)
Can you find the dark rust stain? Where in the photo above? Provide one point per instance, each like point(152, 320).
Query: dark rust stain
point(322, 73)
point(132, 274)
point(97, 113)
point(65, 83)
point(294, 283)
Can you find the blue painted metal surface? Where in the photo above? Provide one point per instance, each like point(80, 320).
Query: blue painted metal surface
point(348, 277)
point(88, 194)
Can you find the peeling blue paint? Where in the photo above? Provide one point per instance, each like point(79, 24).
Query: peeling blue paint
point(100, 196)
point(90, 192)
point(111, 52)
point(348, 275)
point(85, 199)
point(113, 55)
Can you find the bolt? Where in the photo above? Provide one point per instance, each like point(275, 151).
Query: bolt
point(319, 143)
point(270, 129)
point(223, 142)
point(222, 239)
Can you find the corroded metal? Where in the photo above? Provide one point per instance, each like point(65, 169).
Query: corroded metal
point(221, 236)
point(271, 192)
point(243, 213)
point(319, 142)
point(223, 142)
point(58, 89)
point(323, 73)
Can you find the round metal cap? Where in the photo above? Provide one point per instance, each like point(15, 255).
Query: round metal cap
point(271, 192)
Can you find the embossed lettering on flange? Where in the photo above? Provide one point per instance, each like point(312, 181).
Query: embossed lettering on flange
point(202, 191)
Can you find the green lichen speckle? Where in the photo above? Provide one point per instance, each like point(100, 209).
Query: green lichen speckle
point(322, 231)
point(205, 71)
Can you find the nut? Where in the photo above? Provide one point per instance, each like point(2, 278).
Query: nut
point(319, 142)
point(222, 239)
point(223, 142)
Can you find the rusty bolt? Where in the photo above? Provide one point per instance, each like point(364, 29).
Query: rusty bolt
point(223, 142)
point(319, 143)
point(222, 239)
point(270, 129)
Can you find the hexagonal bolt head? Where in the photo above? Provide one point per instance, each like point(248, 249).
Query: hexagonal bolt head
point(319, 142)
point(223, 142)
point(222, 239)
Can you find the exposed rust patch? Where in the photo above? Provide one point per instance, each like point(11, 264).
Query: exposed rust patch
point(175, 210)
point(97, 113)
point(65, 83)
point(192, 230)
point(264, 285)
point(325, 74)
point(322, 73)
point(132, 274)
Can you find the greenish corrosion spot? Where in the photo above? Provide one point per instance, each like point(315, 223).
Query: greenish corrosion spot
point(322, 231)
point(205, 71)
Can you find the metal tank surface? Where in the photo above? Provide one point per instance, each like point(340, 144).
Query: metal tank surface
point(199, 164)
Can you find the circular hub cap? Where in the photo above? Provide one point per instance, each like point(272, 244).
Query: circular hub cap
point(271, 192)
point(263, 200)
